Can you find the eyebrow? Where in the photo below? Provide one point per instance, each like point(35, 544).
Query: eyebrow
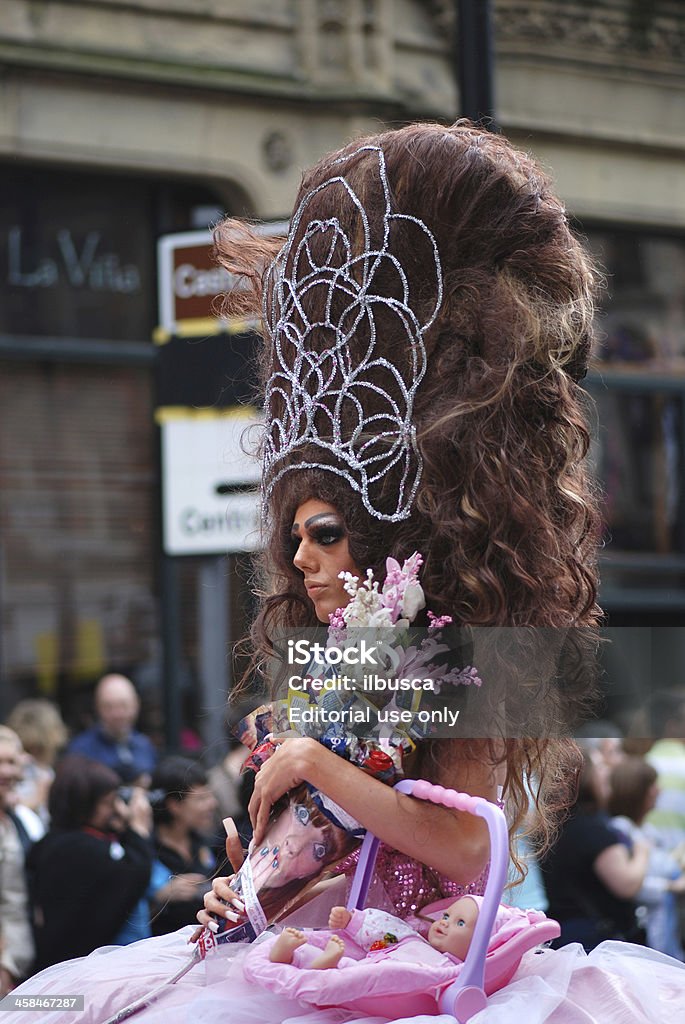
point(315, 519)
point(321, 515)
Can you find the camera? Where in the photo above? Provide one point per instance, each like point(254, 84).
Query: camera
point(155, 796)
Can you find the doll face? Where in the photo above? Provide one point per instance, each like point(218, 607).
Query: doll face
point(294, 847)
point(453, 930)
point(321, 553)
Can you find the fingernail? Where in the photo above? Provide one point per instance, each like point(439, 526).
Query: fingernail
point(238, 904)
point(231, 916)
point(213, 926)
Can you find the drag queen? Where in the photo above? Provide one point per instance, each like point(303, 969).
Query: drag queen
point(426, 323)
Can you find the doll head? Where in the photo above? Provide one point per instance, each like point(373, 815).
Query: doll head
point(453, 930)
point(300, 842)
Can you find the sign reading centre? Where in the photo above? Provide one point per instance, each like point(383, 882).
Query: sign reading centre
point(210, 493)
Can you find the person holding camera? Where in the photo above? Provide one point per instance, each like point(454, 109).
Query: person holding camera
point(183, 812)
point(92, 868)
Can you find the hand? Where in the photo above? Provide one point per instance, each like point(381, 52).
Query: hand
point(180, 888)
point(283, 771)
point(678, 885)
point(140, 813)
point(221, 901)
point(339, 918)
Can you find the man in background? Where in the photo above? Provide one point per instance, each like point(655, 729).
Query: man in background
point(113, 740)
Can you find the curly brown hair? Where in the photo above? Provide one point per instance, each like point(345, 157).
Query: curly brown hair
point(505, 515)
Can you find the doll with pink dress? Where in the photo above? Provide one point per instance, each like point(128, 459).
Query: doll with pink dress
point(369, 961)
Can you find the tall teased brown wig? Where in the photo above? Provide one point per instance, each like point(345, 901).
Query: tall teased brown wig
point(504, 514)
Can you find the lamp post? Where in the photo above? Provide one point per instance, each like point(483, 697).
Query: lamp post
point(474, 58)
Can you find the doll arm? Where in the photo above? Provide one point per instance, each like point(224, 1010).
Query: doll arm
point(369, 926)
point(339, 919)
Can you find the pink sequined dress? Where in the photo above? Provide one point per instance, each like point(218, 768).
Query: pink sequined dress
point(615, 984)
point(403, 886)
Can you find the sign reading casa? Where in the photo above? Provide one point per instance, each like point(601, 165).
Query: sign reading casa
point(191, 285)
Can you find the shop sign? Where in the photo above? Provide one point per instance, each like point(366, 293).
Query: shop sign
point(209, 483)
point(191, 285)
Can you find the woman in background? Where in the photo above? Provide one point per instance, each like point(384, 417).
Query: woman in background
point(183, 821)
point(591, 875)
point(633, 790)
point(93, 866)
point(39, 726)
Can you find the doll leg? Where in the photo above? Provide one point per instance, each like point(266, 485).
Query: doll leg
point(285, 945)
point(331, 955)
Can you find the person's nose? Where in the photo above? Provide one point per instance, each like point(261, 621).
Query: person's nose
point(305, 557)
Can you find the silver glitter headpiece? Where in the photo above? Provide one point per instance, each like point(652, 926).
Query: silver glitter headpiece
point(317, 387)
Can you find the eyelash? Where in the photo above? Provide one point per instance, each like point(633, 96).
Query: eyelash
point(326, 536)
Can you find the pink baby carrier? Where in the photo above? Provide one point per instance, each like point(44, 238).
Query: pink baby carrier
point(407, 989)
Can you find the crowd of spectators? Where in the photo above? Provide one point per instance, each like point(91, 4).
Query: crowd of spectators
point(102, 842)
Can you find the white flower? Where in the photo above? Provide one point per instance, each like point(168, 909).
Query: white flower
point(379, 618)
point(413, 600)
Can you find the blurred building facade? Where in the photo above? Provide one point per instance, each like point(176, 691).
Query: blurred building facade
point(122, 120)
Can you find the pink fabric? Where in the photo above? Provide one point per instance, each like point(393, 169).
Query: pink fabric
point(403, 979)
point(615, 984)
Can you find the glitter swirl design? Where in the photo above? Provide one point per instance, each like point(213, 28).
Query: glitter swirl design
point(318, 394)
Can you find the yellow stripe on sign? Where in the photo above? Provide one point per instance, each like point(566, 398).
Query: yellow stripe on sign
point(172, 413)
point(204, 326)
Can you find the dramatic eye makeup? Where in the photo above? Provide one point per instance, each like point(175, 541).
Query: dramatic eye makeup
point(325, 529)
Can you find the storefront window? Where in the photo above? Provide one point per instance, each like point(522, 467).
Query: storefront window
point(643, 308)
point(638, 386)
point(79, 478)
point(77, 251)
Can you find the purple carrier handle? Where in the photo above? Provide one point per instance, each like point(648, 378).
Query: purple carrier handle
point(465, 996)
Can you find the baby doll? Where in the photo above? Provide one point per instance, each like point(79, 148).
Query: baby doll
point(387, 966)
point(383, 937)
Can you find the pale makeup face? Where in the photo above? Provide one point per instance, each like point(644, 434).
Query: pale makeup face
point(321, 553)
point(453, 930)
point(293, 847)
